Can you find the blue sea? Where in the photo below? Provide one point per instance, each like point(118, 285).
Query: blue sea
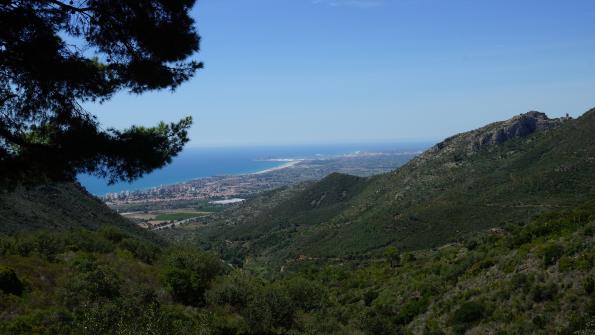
point(194, 163)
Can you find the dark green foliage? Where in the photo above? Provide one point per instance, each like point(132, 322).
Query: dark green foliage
point(467, 314)
point(189, 274)
point(308, 295)
point(48, 245)
point(375, 322)
point(551, 254)
point(60, 207)
point(94, 280)
point(144, 251)
point(9, 282)
point(56, 55)
point(545, 292)
point(235, 289)
point(113, 233)
point(393, 256)
point(589, 285)
point(91, 282)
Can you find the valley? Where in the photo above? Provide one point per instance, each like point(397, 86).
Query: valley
point(489, 231)
point(316, 167)
point(504, 173)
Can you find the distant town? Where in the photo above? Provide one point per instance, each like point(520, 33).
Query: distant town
point(291, 172)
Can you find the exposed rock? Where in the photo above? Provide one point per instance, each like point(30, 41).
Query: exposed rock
point(468, 143)
point(518, 126)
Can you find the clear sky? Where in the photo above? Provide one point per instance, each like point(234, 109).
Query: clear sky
point(336, 71)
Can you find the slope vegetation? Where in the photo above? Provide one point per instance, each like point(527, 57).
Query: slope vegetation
point(58, 206)
point(505, 172)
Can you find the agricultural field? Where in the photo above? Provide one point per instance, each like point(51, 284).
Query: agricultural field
point(156, 219)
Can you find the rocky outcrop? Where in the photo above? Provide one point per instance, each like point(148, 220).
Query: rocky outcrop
point(493, 134)
point(519, 126)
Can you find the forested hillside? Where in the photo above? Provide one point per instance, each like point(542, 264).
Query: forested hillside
point(535, 278)
point(503, 173)
point(496, 238)
point(57, 206)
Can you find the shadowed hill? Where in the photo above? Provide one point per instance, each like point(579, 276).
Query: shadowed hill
point(58, 206)
point(279, 216)
point(505, 172)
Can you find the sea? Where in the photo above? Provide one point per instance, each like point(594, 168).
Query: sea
point(201, 162)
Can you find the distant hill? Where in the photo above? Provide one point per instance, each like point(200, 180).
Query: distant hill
point(505, 172)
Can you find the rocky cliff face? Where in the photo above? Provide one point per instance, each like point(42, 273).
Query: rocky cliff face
point(468, 143)
point(519, 126)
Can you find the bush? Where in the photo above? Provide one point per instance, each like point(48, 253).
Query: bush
point(589, 285)
point(189, 274)
point(9, 282)
point(468, 314)
point(6, 245)
point(143, 251)
point(375, 322)
point(551, 253)
point(91, 282)
point(306, 294)
point(112, 233)
point(49, 244)
point(88, 241)
point(409, 310)
point(281, 305)
point(520, 281)
point(544, 292)
point(234, 290)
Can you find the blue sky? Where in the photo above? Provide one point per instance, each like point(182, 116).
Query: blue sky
point(337, 71)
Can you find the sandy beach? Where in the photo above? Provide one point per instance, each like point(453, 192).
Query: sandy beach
point(289, 163)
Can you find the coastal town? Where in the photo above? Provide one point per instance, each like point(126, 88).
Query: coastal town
point(292, 171)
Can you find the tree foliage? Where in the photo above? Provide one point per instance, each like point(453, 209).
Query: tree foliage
point(9, 282)
point(55, 56)
point(189, 274)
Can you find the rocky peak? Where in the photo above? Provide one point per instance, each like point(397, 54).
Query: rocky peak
point(495, 133)
point(518, 126)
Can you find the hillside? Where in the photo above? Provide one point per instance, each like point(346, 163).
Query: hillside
point(58, 206)
point(69, 265)
point(503, 173)
point(526, 279)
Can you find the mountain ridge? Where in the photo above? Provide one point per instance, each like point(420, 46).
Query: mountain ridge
point(447, 192)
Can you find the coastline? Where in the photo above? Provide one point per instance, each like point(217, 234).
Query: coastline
point(288, 163)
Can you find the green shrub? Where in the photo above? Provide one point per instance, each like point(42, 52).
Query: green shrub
point(6, 245)
point(589, 285)
point(551, 253)
point(113, 233)
point(468, 314)
point(375, 322)
point(85, 240)
point(544, 292)
point(281, 306)
point(189, 274)
point(49, 244)
point(520, 281)
point(306, 294)
point(566, 264)
point(90, 282)
point(369, 297)
point(234, 290)
point(410, 310)
point(9, 282)
point(143, 251)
